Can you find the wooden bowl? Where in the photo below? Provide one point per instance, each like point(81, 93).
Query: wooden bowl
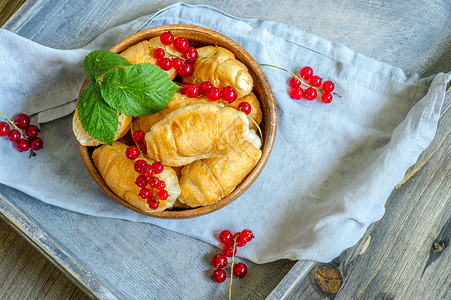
point(199, 36)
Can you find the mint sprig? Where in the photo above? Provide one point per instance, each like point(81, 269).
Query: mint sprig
point(115, 85)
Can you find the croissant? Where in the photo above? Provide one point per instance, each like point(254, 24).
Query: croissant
point(119, 174)
point(220, 67)
point(145, 123)
point(196, 131)
point(207, 181)
point(255, 114)
point(86, 140)
point(142, 52)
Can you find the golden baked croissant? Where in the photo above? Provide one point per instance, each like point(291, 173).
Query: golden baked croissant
point(142, 52)
point(119, 174)
point(86, 140)
point(256, 112)
point(207, 181)
point(196, 131)
point(145, 123)
point(220, 67)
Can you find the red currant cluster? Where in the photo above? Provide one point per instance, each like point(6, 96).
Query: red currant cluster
point(185, 64)
point(152, 188)
point(231, 242)
point(24, 135)
point(314, 86)
point(227, 94)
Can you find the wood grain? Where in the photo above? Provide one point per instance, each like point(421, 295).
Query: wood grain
point(27, 274)
point(8, 8)
point(406, 254)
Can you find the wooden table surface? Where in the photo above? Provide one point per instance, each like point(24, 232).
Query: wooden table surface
point(24, 272)
point(405, 255)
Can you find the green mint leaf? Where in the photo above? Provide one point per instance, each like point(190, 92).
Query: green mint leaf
point(138, 90)
point(96, 116)
point(98, 62)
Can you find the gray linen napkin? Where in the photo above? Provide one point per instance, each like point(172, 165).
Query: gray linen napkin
point(332, 166)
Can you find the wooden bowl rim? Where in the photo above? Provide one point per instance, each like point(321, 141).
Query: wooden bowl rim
point(267, 145)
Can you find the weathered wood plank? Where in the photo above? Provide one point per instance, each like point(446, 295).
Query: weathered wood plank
point(8, 8)
point(405, 255)
point(27, 274)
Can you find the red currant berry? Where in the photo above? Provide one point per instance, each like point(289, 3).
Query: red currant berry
point(159, 53)
point(306, 73)
point(139, 164)
point(14, 135)
point(247, 235)
point(165, 63)
point(228, 249)
point(154, 181)
point(244, 107)
point(229, 94)
point(161, 185)
point(23, 145)
point(4, 129)
point(296, 93)
point(147, 171)
point(192, 90)
point(157, 167)
point(162, 194)
point(145, 193)
point(239, 270)
point(328, 86)
point(141, 181)
point(153, 203)
point(191, 53)
point(225, 236)
point(219, 275)
point(205, 87)
point(143, 147)
point(310, 94)
point(37, 143)
point(239, 241)
point(294, 82)
point(219, 261)
point(167, 38)
point(32, 131)
point(22, 121)
point(326, 97)
point(132, 152)
point(177, 63)
point(214, 94)
point(181, 44)
point(186, 70)
point(315, 81)
point(138, 136)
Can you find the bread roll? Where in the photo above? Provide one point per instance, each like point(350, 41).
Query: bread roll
point(196, 131)
point(220, 67)
point(145, 123)
point(86, 140)
point(256, 112)
point(120, 176)
point(207, 181)
point(142, 52)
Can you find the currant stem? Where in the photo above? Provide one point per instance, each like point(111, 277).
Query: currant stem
point(139, 149)
point(258, 127)
point(174, 55)
point(295, 76)
point(12, 123)
point(231, 267)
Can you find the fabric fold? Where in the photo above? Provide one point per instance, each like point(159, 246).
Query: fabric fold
point(332, 166)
